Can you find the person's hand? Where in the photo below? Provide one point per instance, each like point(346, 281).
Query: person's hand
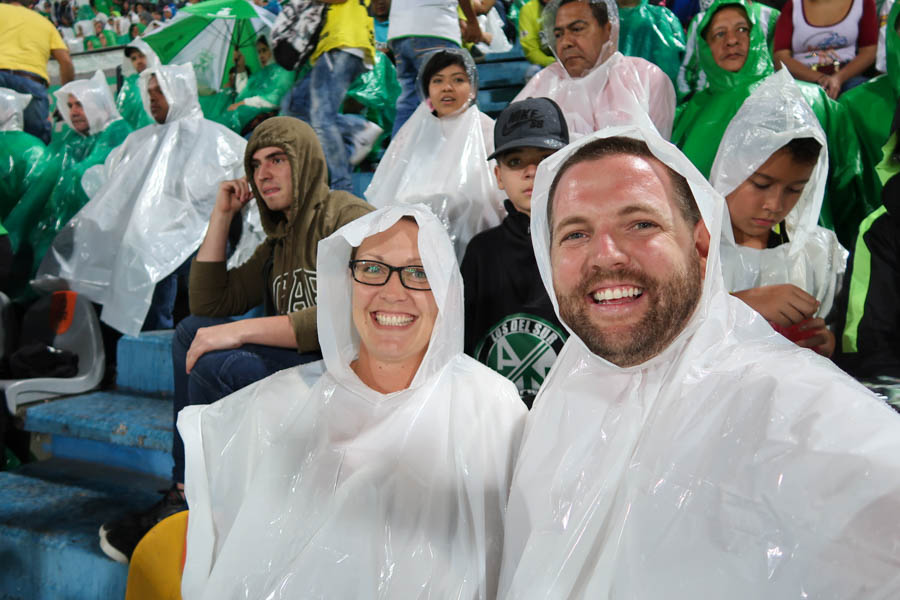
point(209, 339)
point(783, 304)
point(822, 341)
point(233, 195)
point(831, 84)
point(471, 31)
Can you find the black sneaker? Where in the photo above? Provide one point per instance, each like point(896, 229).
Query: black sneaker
point(119, 538)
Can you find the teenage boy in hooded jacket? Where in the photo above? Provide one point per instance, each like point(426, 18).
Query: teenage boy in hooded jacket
point(214, 355)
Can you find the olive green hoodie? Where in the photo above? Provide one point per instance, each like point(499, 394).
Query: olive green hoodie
point(282, 271)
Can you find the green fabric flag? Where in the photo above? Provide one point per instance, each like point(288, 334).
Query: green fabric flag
point(701, 122)
point(872, 104)
point(653, 33)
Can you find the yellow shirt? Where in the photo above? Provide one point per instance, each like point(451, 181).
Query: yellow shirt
point(347, 25)
point(26, 39)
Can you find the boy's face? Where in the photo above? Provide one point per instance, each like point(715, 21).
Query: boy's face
point(515, 174)
point(766, 197)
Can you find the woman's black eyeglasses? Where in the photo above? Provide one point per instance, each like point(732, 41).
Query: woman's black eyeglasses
point(373, 272)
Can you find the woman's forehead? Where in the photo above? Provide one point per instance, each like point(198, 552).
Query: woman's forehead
point(400, 239)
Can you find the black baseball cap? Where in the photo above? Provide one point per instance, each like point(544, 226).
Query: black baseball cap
point(530, 123)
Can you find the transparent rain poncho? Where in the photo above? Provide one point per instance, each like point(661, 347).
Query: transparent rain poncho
point(442, 163)
point(701, 121)
point(128, 100)
point(149, 206)
point(341, 491)
point(616, 88)
point(812, 259)
point(733, 464)
point(70, 155)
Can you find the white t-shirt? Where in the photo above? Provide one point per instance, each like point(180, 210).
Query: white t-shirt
point(424, 18)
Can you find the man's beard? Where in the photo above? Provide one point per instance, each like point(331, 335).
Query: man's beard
point(672, 303)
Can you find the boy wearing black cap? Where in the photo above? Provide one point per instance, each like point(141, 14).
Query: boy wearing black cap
point(510, 322)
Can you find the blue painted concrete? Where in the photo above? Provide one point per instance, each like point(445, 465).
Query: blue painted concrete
point(144, 363)
point(493, 75)
point(153, 462)
point(113, 417)
point(50, 516)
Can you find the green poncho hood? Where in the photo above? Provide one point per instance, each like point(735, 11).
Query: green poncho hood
point(758, 64)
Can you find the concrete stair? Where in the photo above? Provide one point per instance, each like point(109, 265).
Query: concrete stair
point(109, 454)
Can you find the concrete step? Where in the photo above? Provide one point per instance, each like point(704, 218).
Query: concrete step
point(112, 428)
point(505, 74)
point(144, 362)
point(50, 513)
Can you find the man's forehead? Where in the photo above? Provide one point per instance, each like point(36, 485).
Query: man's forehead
point(73, 99)
point(571, 12)
point(268, 152)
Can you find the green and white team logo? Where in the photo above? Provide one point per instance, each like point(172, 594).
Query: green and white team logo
point(522, 348)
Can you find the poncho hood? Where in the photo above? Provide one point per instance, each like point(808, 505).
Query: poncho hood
point(892, 48)
point(708, 200)
point(12, 109)
point(813, 260)
point(179, 86)
point(96, 100)
point(773, 115)
point(341, 346)
point(469, 66)
point(146, 50)
point(757, 65)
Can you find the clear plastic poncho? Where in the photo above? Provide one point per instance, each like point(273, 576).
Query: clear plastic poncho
point(812, 259)
point(442, 163)
point(734, 464)
point(150, 205)
point(303, 486)
point(615, 89)
point(69, 157)
point(12, 109)
point(128, 100)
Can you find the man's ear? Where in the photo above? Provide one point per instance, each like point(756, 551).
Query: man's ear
point(701, 243)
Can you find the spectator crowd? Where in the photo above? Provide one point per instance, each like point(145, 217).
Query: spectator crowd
point(617, 358)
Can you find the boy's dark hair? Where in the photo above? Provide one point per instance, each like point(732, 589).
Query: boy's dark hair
point(129, 50)
point(262, 40)
point(598, 9)
point(679, 188)
point(804, 151)
point(438, 61)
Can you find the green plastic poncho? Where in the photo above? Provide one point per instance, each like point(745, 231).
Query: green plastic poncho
point(70, 155)
point(377, 90)
point(872, 104)
point(95, 43)
point(263, 93)
point(128, 100)
point(700, 123)
point(691, 77)
point(23, 157)
point(653, 33)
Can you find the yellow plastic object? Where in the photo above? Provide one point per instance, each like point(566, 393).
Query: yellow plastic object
point(158, 561)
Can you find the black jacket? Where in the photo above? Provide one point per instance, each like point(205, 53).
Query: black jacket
point(870, 298)
point(510, 322)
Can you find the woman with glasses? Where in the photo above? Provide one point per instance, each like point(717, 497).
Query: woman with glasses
point(381, 471)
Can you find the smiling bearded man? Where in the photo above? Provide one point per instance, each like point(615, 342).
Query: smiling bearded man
point(679, 448)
